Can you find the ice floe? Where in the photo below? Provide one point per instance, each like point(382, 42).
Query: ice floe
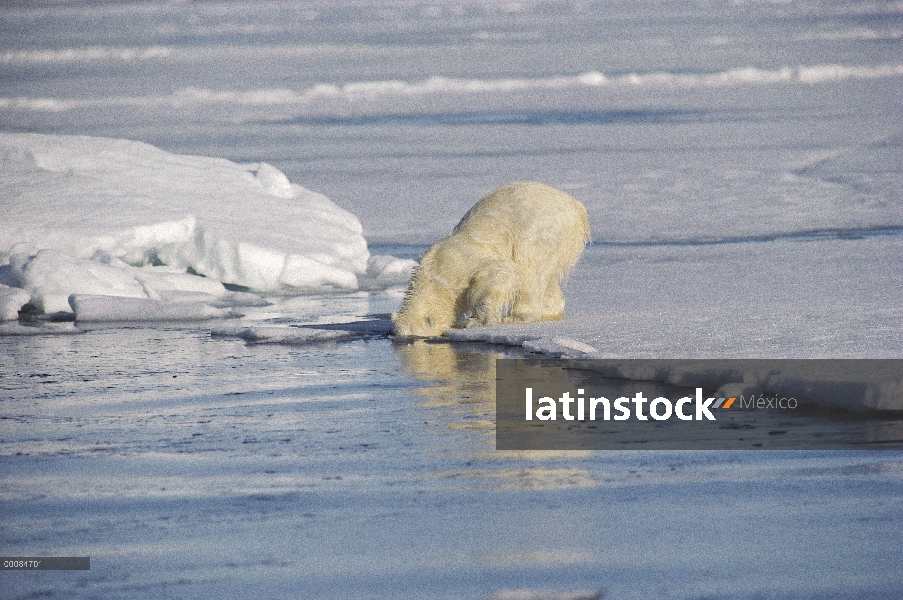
point(123, 219)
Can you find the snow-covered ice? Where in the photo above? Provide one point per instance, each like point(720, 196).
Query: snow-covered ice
point(814, 298)
point(11, 300)
point(122, 219)
point(89, 308)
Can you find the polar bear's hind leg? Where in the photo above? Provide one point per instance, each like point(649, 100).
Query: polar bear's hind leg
point(543, 303)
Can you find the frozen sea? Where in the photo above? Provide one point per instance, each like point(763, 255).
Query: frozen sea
point(742, 169)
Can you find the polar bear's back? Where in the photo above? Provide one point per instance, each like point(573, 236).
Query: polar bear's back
point(529, 208)
point(529, 222)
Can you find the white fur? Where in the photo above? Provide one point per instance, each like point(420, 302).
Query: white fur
point(503, 263)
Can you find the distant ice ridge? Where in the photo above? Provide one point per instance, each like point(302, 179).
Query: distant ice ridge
point(91, 218)
point(90, 54)
point(750, 75)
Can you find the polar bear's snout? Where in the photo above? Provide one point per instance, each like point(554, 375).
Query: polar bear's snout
point(419, 325)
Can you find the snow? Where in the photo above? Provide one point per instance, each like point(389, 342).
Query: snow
point(11, 300)
point(89, 308)
point(123, 219)
point(390, 89)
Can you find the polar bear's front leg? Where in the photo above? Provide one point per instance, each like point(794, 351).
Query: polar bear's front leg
point(492, 293)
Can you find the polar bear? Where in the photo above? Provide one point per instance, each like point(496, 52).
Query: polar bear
point(503, 263)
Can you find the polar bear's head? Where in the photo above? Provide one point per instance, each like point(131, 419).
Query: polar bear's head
point(427, 309)
point(420, 325)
